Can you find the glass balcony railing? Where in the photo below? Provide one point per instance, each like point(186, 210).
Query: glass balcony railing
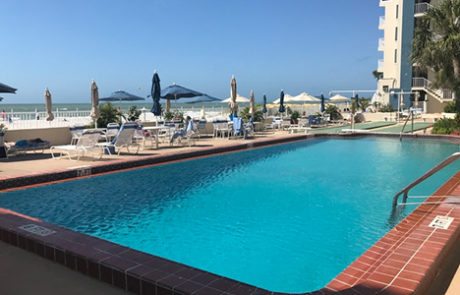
point(421, 8)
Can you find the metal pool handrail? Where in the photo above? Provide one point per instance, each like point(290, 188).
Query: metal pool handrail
point(452, 158)
point(411, 115)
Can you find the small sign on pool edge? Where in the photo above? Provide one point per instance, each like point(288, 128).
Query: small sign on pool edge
point(442, 222)
point(37, 229)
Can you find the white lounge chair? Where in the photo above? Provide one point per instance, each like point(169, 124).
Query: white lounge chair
point(123, 139)
point(189, 133)
point(86, 144)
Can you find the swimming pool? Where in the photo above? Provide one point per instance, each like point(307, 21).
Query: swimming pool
point(285, 218)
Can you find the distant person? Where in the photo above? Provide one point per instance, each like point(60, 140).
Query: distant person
point(187, 130)
point(3, 115)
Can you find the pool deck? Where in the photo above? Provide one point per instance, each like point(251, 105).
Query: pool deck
point(410, 259)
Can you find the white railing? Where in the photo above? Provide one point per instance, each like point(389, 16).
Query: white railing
point(381, 22)
point(381, 44)
point(422, 8)
point(428, 85)
point(31, 120)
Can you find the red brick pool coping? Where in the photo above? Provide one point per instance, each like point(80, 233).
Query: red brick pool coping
point(404, 261)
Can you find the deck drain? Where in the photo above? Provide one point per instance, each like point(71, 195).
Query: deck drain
point(442, 222)
point(37, 230)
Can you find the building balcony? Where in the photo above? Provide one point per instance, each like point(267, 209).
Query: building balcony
point(383, 3)
point(443, 95)
point(381, 23)
point(380, 66)
point(421, 9)
point(381, 46)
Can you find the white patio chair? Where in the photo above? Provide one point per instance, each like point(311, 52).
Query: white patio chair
point(86, 144)
point(123, 139)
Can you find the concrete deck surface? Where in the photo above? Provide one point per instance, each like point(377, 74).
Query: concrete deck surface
point(24, 273)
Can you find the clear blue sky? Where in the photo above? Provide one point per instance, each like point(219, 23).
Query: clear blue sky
point(269, 45)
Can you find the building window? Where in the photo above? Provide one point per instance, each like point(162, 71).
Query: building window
point(396, 34)
point(385, 88)
point(397, 11)
point(396, 55)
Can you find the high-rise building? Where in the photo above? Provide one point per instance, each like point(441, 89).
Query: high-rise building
point(402, 84)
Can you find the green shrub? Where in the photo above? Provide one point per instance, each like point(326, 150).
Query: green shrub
point(446, 126)
point(133, 113)
point(258, 115)
point(387, 108)
point(333, 112)
point(295, 117)
point(450, 107)
point(175, 115)
point(108, 114)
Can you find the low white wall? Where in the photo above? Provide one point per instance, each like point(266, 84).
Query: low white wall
point(56, 136)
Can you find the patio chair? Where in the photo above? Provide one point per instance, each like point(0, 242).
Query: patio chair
point(25, 145)
point(222, 129)
point(87, 143)
point(189, 133)
point(112, 130)
point(123, 139)
point(76, 132)
point(144, 136)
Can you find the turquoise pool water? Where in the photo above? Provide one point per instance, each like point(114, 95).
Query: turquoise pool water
point(285, 218)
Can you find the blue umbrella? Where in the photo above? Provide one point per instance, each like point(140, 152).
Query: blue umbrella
point(282, 109)
point(264, 109)
point(177, 92)
point(121, 96)
point(156, 93)
point(7, 89)
point(201, 98)
point(322, 103)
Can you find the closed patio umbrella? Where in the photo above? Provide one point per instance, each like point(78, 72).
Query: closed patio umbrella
point(264, 109)
point(156, 93)
point(251, 104)
point(94, 102)
point(233, 93)
point(49, 106)
point(282, 109)
point(322, 103)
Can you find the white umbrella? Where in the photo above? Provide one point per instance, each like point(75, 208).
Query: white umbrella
point(49, 106)
point(239, 98)
point(287, 98)
point(306, 98)
point(339, 98)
